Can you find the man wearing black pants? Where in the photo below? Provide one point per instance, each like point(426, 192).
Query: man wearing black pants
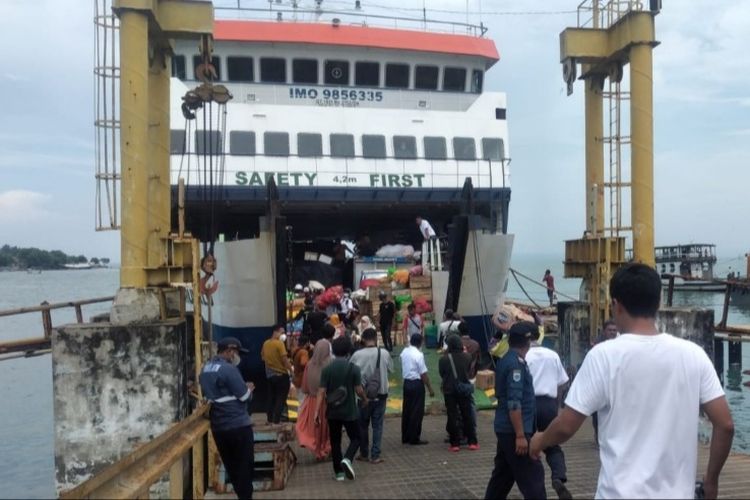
point(514, 421)
point(223, 386)
point(415, 375)
point(549, 378)
point(339, 382)
point(386, 313)
point(278, 367)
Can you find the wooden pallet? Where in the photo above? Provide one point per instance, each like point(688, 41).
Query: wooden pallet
point(274, 433)
point(274, 463)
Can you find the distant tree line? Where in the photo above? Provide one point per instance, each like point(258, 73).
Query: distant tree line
point(24, 258)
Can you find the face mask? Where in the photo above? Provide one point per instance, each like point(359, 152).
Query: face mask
point(283, 337)
point(236, 359)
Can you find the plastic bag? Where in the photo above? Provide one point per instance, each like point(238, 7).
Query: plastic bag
point(364, 284)
point(401, 277)
point(401, 300)
point(422, 305)
point(416, 270)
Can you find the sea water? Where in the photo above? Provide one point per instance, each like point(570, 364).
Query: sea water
point(26, 411)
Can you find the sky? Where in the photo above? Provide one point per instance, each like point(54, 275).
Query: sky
point(701, 123)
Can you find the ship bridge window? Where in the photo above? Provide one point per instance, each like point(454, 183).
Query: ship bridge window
point(208, 142)
point(342, 145)
point(464, 148)
point(197, 60)
point(240, 69)
point(309, 145)
point(367, 74)
point(305, 71)
point(272, 70)
point(477, 80)
point(373, 146)
point(337, 72)
point(276, 144)
point(405, 147)
point(242, 143)
point(426, 77)
point(435, 148)
point(397, 76)
point(492, 149)
point(177, 141)
point(178, 67)
point(454, 79)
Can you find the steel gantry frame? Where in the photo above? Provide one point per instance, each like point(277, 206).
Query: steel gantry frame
point(609, 36)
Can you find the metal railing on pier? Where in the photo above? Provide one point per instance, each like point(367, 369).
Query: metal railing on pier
point(34, 346)
point(134, 474)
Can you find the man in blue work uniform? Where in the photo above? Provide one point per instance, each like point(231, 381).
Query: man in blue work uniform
point(514, 421)
point(228, 394)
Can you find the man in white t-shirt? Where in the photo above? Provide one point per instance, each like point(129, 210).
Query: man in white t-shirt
point(648, 388)
point(425, 228)
point(549, 378)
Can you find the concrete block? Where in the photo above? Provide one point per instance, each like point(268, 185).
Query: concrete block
point(115, 387)
point(696, 325)
point(135, 306)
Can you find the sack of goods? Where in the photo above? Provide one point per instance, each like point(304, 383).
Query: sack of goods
point(331, 297)
point(422, 305)
point(394, 251)
point(401, 277)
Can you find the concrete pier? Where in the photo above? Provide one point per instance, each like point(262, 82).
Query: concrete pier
point(115, 386)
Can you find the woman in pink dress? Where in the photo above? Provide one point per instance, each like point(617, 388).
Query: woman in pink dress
point(314, 437)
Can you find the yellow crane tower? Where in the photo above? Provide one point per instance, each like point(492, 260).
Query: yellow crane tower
point(610, 35)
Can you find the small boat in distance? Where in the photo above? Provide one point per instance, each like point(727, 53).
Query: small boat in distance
point(83, 265)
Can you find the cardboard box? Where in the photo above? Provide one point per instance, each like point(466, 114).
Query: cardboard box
point(485, 380)
point(420, 281)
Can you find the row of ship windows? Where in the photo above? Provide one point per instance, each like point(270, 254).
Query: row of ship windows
point(338, 72)
point(341, 145)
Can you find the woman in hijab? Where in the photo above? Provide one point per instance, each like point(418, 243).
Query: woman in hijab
point(314, 437)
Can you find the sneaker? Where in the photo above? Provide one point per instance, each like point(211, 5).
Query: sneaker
point(474, 447)
point(561, 490)
point(340, 477)
point(348, 469)
point(454, 449)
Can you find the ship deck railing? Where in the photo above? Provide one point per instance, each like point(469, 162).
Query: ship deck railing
point(241, 12)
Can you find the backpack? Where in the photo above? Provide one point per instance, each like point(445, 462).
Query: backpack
point(372, 387)
point(337, 397)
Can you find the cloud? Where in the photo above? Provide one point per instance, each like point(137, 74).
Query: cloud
point(20, 206)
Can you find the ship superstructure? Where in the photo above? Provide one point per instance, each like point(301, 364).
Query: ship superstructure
point(342, 132)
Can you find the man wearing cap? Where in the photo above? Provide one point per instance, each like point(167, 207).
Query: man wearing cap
point(386, 313)
point(228, 394)
point(514, 421)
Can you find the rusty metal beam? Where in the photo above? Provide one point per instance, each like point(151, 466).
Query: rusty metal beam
point(133, 475)
point(25, 345)
point(57, 305)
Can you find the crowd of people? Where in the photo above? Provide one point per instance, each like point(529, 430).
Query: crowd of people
point(646, 431)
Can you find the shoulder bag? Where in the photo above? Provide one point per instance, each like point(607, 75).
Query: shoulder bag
point(464, 389)
point(337, 397)
point(372, 387)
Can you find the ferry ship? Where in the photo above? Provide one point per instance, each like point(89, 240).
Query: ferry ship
point(691, 264)
point(342, 130)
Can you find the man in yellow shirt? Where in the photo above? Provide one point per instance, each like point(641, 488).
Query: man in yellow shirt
point(278, 368)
